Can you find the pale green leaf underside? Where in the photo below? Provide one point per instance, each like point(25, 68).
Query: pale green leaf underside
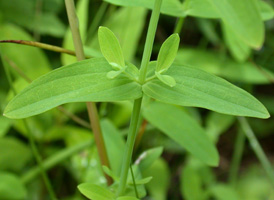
point(199, 89)
point(168, 52)
point(95, 192)
point(182, 129)
point(79, 82)
point(110, 46)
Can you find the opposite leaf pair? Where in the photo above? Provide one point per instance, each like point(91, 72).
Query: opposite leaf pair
point(112, 52)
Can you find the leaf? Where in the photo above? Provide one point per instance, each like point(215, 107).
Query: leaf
point(79, 82)
point(191, 184)
point(266, 10)
point(197, 88)
point(238, 49)
point(115, 145)
point(5, 125)
point(148, 157)
point(11, 187)
point(95, 192)
point(24, 57)
point(224, 192)
point(159, 185)
point(12, 149)
point(244, 20)
point(216, 124)
point(200, 8)
point(166, 79)
point(167, 53)
point(110, 47)
point(126, 198)
point(183, 130)
point(114, 74)
point(169, 7)
point(142, 181)
point(219, 64)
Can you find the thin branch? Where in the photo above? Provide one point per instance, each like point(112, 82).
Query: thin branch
point(42, 46)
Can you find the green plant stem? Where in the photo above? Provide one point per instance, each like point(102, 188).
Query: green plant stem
point(179, 25)
point(97, 19)
point(150, 39)
point(42, 46)
point(255, 145)
point(237, 156)
point(33, 146)
point(91, 107)
point(138, 102)
point(54, 160)
point(134, 183)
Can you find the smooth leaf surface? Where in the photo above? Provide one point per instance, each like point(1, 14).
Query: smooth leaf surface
point(168, 52)
point(11, 187)
point(148, 157)
point(110, 47)
point(224, 192)
point(219, 64)
point(244, 18)
point(169, 7)
point(115, 145)
point(191, 184)
point(184, 130)
point(158, 186)
point(267, 11)
point(126, 198)
point(95, 192)
point(197, 88)
point(166, 79)
point(79, 82)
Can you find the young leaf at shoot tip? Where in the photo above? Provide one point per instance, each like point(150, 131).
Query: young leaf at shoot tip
point(167, 53)
point(110, 48)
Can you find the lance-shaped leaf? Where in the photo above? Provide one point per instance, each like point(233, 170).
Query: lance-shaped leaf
point(197, 88)
point(95, 192)
point(111, 48)
point(79, 82)
point(167, 53)
point(184, 130)
point(244, 18)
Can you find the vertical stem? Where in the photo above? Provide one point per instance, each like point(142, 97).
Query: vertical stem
point(91, 107)
point(150, 39)
point(237, 156)
point(179, 25)
point(32, 143)
point(138, 102)
point(134, 183)
point(257, 148)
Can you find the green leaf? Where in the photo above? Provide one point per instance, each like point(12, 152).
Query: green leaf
point(110, 47)
point(238, 49)
point(197, 88)
point(191, 184)
point(148, 157)
point(11, 187)
point(158, 186)
point(169, 7)
point(267, 11)
point(166, 79)
point(127, 198)
point(25, 57)
point(114, 74)
point(200, 8)
point(224, 192)
point(167, 53)
point(95, 192)
point(244, 20)
point(5, 124)
point(115, 145)
point(184, 130)
point(12, 149)
point(218, 64)
point(79, 82)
